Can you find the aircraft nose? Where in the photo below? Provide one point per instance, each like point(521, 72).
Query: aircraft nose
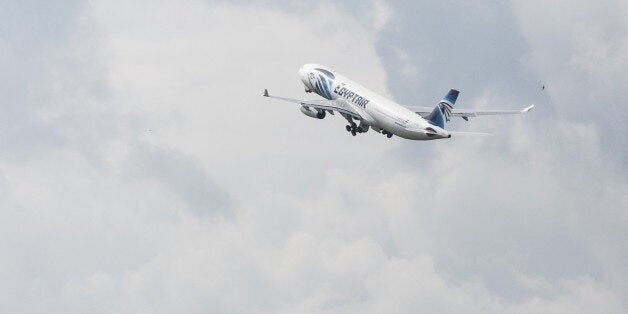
point(302, 71)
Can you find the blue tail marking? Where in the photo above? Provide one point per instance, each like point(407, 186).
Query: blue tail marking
point(442, 111)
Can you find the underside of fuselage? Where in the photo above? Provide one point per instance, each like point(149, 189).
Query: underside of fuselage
point(389, 130)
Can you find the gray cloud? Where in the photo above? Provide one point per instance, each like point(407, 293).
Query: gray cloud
point(184, 176)
point(29, 33)
point(532, 200)
point(233, 203)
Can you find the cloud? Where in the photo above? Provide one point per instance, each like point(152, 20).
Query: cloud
point(526, 196)
point(582, 60)
point(158, 179)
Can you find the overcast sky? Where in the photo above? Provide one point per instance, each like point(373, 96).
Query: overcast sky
point(141, 171)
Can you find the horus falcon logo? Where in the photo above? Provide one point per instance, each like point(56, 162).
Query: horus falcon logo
point(445, 109)
point(322, 81)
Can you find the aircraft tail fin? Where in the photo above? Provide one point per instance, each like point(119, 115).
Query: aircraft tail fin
point(442, 111)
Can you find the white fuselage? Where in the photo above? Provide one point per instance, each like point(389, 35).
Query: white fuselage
point(375, 110)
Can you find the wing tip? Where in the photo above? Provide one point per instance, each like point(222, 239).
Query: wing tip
point(527, 109)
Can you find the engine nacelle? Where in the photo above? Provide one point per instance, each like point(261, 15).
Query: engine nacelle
point(314, 113)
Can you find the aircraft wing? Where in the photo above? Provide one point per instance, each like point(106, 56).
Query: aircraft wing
point(467, 113)
point(328, 105)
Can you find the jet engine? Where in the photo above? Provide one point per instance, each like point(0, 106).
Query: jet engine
point(314, 113)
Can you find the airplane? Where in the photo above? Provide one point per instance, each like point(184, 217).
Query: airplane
point(355, 102)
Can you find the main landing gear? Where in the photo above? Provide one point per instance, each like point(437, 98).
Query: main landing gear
point(354, 129)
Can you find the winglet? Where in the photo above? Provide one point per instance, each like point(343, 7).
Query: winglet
point(526, 109)
point(265, 92)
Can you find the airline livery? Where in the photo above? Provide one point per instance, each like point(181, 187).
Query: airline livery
point(357, 103)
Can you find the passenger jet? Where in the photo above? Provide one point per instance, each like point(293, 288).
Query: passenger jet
point(373, 111)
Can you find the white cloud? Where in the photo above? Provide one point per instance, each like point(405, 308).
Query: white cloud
point(175, 187)
point(580, 50)
point(176, 74)
point(381, 14)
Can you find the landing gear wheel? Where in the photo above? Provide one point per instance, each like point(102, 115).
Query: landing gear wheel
point(348, 127)
point(389, 135)
point(353, 132)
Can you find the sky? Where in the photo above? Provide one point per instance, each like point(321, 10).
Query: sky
point(141, 171)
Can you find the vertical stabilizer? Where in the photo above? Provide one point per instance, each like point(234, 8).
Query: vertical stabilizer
point(442, 111)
